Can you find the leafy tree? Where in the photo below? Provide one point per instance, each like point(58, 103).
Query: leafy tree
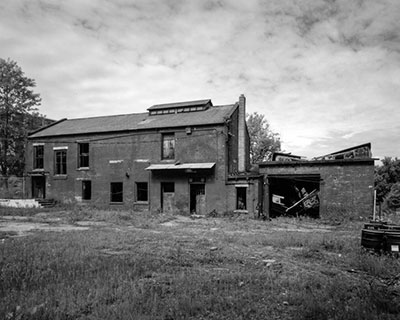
point(393, 198)
point(386, 176)
point(263, 142)
point(16, 101)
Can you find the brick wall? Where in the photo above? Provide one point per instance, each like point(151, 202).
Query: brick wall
point(123, 158)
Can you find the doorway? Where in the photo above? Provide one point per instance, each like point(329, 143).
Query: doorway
point(167, 196)
point(241, 198)
point(294, 195)
point(38, 187)
point(198, 198)
point(86, 190)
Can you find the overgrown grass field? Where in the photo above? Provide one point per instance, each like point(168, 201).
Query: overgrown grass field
point(141, 266)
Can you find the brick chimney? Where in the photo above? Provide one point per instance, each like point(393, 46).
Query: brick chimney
point(242, 134)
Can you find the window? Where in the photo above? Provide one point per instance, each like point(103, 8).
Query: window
point(142, 191)
point(117, 192)
point(60, 161)
point(86, 190)
point(83, 155)
point(168, 146)
point(38, 154)
point(241, 193)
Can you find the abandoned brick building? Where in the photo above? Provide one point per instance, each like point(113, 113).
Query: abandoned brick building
point(183, 157)
point(190, 157)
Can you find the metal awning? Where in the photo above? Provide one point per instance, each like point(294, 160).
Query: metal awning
point(181, 166)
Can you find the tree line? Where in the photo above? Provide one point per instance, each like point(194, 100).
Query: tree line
point(18, 116)
point(387, 182)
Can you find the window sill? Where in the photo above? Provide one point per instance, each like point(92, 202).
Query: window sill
point(83, 169)
point(116, 203)
point(38, 170)
point(60, 177)
point(141, 202)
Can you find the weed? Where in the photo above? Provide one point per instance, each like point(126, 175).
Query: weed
point(138, 268)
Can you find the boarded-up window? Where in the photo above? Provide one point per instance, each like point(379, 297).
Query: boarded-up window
point(60, 162)
point(83, 155)
point(117, 192)
point(38, 155)
point(142, 191)
point(168, 146)
point(167, 196)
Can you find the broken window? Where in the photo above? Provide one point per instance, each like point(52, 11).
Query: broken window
point(38, 156)
point(60, 161)
point(168, 146)
point(86, 190)
point(142, 191)
point(241, 195)
point(83, 155)
point(117, 192)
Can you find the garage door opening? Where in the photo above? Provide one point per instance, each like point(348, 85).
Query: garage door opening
point(294, 195)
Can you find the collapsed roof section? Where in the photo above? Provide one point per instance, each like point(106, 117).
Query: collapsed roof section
point(362, 151)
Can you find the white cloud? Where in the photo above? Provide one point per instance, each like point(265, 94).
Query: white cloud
point(325, 73)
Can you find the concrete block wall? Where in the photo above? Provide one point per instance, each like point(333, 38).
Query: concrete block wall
point(346, 187)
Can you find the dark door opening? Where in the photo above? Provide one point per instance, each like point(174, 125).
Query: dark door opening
point(86, 190)
point(198, 198)
point(294, 195)
point(167, 196)
point(39, 187)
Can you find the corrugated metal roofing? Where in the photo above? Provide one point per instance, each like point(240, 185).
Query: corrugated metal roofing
point(180, 166)
point(180, 104)
point(136, 121)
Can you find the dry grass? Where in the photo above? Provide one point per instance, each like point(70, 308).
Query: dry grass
point(146, 266)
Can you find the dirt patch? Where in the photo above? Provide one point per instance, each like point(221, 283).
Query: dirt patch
point(21, 226)
point(92, 223)
point(178, 221)
point(305, 227)
point(299, 229)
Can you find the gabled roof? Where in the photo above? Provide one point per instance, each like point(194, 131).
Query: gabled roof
point(136, 121)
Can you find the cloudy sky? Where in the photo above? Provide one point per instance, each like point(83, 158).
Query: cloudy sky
point(325, 73)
